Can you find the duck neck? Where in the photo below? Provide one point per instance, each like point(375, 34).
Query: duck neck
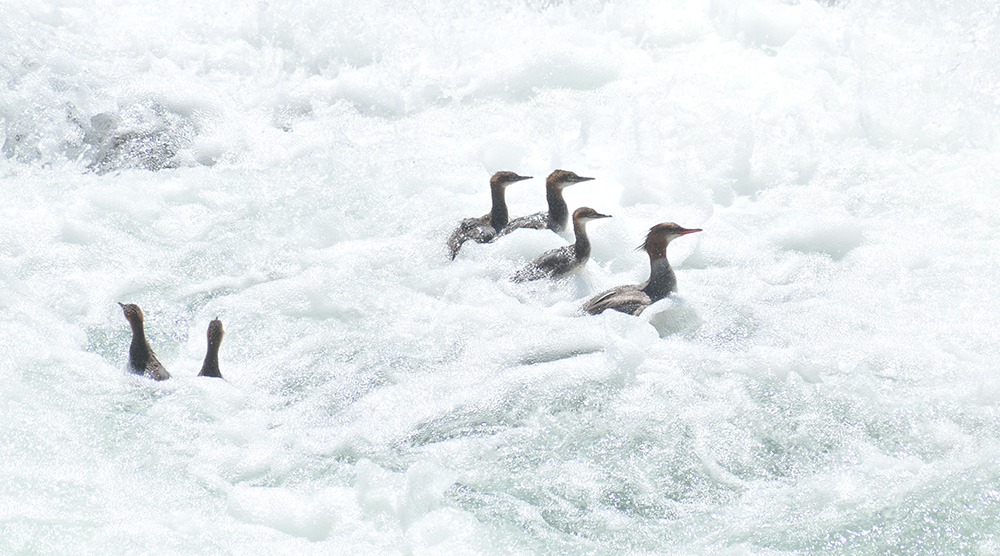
point(662, 280)
point(211, 365)
point(582, 246)
point(138, 351)
point(558, 211)
point(498, 214)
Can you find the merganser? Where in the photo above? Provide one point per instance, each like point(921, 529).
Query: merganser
point(485, 228)
point(141, 359)
point(211, 365)
point(559, 262)
point(558, 215)
point(634, 298)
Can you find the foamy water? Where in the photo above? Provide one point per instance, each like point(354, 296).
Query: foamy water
point(825, 380)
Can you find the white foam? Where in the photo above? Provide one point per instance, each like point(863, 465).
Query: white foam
point(822, 381)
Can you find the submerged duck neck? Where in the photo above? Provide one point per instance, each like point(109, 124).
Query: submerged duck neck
point(138, 351)
point(211, 365)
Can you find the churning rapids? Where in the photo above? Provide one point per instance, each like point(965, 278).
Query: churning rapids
point(826, 379)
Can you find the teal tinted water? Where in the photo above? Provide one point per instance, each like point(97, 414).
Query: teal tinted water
point(824, 381)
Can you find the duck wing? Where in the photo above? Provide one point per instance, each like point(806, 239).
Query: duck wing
point(627, 299)
point(537, 221)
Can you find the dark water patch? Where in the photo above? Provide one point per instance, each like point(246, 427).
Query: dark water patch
point(952, 514)
point(522, 518)
point(541, 355)
point(462, 422)
point(145, 136)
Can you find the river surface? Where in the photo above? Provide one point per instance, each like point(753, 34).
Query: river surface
point(825, 381)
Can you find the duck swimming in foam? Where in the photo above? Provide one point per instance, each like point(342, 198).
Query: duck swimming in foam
point(211, 365)
point(141, 359)
point(485, 228)
point(563, 260)
point(634, 298)
point(557, 216)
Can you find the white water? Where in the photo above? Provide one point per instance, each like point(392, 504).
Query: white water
point(826, 380)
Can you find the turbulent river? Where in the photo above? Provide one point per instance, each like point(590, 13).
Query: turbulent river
point(825, 380)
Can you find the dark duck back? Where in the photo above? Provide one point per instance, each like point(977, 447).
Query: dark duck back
point(559, 262)
point(485, 228)
point(634, 298)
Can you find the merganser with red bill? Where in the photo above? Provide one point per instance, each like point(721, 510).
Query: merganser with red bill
point(486, 227)
point(557, 217)
point(564, 260)
point(634, 298)
point(141, 359)
point(211, 365)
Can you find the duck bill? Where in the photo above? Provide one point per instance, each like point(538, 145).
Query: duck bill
point(689, 231)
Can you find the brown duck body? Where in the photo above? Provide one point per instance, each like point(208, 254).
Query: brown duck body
point(634, 298)
point(486, 227)
point(141, 359)
point(560, 262)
